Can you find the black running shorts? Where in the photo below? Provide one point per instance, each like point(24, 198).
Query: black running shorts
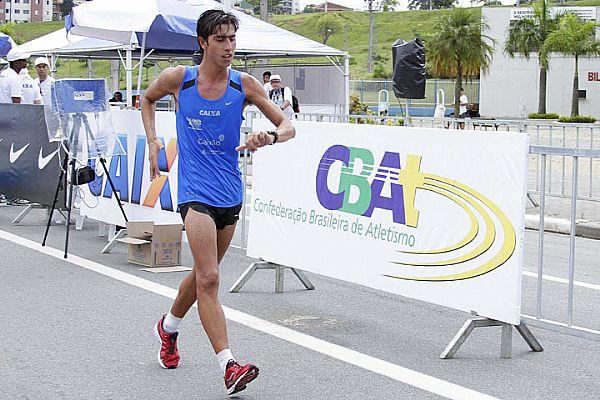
point(222, 216)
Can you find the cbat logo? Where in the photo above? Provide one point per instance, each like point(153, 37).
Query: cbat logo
point(359, 192)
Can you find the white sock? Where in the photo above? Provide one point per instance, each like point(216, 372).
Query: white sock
point(171, 323)
point(224, 356)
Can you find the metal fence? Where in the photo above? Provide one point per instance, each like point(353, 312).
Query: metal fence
point(562, 156)
point(368, 91)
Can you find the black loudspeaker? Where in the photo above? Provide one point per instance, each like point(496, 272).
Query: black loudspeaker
point(410, 75)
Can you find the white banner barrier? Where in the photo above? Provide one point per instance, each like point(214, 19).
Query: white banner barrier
point(143, 200)
point(434, 215)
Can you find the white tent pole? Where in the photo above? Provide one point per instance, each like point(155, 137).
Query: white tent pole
point(89, 67)
point(53, 60)
point(141, 67)
point(129, 75)
point(347, 84)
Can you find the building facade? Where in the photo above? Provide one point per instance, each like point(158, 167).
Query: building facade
point(511, 86)
point(290, 6)
point(25, 10)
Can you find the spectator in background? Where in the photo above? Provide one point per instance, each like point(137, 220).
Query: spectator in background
point(462, 110)
point(117, 98)
point(44, 80)
point(31, 90)
point(11, 88)
point(267, 81)
point(281, 96)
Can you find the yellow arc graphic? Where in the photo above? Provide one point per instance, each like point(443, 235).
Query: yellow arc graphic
point(503, 254)
point(467, 239)
point(490, 232)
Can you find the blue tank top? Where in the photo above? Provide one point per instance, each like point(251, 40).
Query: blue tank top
point(208, 131)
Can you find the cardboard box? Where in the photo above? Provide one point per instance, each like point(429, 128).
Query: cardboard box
point(153, 245)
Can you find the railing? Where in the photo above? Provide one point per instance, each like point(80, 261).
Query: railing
point(368, 90)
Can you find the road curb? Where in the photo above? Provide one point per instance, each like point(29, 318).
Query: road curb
point(583, 228)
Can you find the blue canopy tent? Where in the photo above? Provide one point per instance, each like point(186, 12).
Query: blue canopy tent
point(170, 26)
point(6, 43)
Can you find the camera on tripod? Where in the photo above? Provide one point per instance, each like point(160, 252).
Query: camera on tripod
point(80, 110)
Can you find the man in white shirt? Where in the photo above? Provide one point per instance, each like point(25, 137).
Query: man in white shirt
point(31, 90)
point(44, 80)
point(462, 109)
point(11, 87)
point(267, 81)
point(282, 96)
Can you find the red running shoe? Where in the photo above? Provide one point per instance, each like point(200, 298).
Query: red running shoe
point(238, 376)
point(168, 355)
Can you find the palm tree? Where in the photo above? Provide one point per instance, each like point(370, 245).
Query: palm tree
point(574, 37)
point(458, 48)
point(527, 36)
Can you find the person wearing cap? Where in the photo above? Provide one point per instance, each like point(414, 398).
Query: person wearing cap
point(31, 90)
point(281, 95)
point(11, 88)
point(44, 80)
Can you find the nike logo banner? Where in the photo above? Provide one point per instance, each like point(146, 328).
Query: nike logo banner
point(29, 163)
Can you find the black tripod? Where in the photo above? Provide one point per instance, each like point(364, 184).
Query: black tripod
point(78, 119)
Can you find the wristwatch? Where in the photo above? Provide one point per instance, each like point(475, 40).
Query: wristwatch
point(275, 136)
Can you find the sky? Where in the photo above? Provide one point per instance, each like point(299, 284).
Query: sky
point(360, 4)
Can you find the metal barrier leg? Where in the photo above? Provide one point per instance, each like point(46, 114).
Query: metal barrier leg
point(102, 228)
point(23, 214)
point(79, 222)
point(528, 337)
point(300, 275)
point(279, 276)
point(113, 241)
point(505, 339)
point(245, 277)
point(532, 200)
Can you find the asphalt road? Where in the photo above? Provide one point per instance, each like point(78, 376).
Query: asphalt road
point(83, 330)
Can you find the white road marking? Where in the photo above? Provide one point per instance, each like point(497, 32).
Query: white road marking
point(556, 279)
point(396, 372)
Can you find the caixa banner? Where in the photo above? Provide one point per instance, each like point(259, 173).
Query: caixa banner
point(435, 215)
point(143, 200)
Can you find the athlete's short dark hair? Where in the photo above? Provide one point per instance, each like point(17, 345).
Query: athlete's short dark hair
point(267, 73)
point(210, 21)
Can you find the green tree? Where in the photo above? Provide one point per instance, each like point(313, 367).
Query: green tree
point(435, 4)
point(7, 28)
point(576, 38)
point(527, 36)
point(66, 7)
point(328, 24)
point(458, 49)
point(388, 5)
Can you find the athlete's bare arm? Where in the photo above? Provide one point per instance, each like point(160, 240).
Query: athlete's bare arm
point(256, 94)
point(167, 83)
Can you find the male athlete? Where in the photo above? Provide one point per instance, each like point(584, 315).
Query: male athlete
point(210, 99)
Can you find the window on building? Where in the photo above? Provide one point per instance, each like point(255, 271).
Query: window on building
point(17, 11)
point(25, 11)
point(37, 12)
point(17, 1)
point(26, 1)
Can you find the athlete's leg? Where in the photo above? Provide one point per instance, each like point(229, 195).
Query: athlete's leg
point(202, 237)
point(186, 297)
